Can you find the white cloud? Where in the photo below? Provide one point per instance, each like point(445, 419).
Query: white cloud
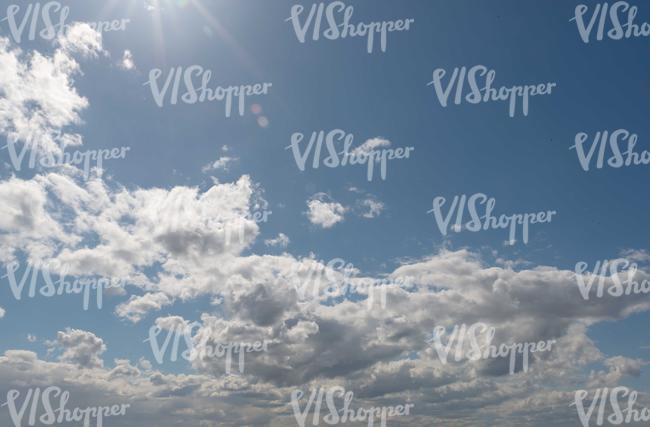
point(152, 5)
point(282, 241)
point(165, 400)
point(2, 312)
point(136, 227)
point(373, 207)
point(127, 62)
point(339, 345)
point(324, 213)
point(138, 306)
point(371, 145)
point(355, 190)
point(81, 38)
point(145, 227)
point(171, 322)
point(180, 229)
point(118, 232)
point(79, 347)
point(368, 206)
point(222, 163)
point(39, 100)
point(101, 228)
point(636, 255)
point(25, 221)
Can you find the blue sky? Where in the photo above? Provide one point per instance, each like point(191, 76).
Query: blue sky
point(523, 162)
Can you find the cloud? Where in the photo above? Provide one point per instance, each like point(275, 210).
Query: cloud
point(324, 213)
point(325, 323)
point(81, 348)
point(179, 229)
point(39, 99)
point(331, 340)
point(636, 255)
point(373, 208)
point(371, 145)
point(25, 220)
point(151, 5)
point(222, 163)
point(2, 312)
point(281, 241)
point(353, 189)
point(368, 206)
point(165, 400)
point(127, 62)
point(169, 323)
point(338, 344)
point(136, 228)
point(138, 306)
point(81, 38)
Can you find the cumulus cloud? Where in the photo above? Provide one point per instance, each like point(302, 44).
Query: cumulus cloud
point(324, 213)
point(81, 38)
point(339, 343)
point(154, 397)
point(2, 312)
point(327, 323)
point(39, 98)
point(180, 230)
point(137, 227)
point(79, 347)
point(340, 340)
point(25, 222)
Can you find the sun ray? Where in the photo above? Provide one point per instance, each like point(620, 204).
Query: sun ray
point(223, 33)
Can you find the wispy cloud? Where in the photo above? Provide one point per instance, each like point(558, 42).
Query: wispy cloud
point(281, 241)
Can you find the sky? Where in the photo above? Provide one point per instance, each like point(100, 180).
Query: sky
point(153, 218)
